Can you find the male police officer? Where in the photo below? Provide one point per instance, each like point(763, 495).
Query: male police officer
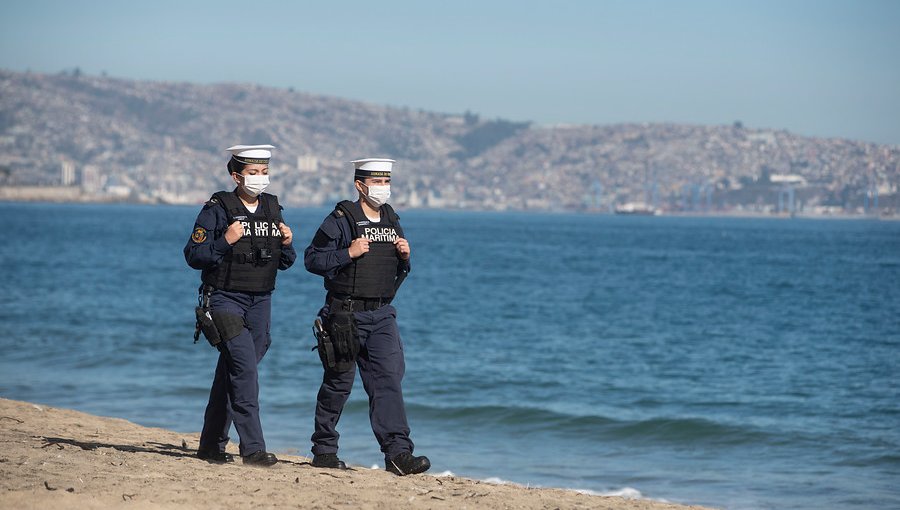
point(361, 252)
point(239, 242)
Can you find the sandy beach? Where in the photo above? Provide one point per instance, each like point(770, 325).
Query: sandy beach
point(59, 458)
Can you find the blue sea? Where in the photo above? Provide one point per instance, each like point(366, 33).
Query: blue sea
point(731, 362)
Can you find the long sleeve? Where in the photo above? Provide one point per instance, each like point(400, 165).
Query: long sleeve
point(404, 266)
point(207, 244)
point(288, 256)
point(327, 253)
point(288, 253)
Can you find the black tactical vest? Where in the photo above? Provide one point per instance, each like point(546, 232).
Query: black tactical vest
point(374, 274)
point(253, 262)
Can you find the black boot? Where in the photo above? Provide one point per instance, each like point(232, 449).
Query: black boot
point(328, 460)
point(215, 456)
point(260, 458)
point(406, 464)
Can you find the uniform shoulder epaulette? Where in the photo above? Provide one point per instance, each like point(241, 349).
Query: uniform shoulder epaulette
point(212, 201)
point(339, 208)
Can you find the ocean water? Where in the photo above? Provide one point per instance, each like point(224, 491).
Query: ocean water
point(736, 363)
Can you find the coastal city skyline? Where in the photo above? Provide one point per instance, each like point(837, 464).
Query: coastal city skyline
point(820, 69)
point(71, 136)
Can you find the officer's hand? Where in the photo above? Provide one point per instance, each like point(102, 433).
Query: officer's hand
point(286, 233)
point(402, 246)
point(358, 247)
point(234, 233)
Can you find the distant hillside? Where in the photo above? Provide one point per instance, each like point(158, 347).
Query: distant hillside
point(154, 141)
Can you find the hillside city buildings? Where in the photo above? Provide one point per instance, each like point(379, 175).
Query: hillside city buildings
point(74, 137)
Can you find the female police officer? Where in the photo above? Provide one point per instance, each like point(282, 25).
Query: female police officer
point(362, 254)
point(239, 243)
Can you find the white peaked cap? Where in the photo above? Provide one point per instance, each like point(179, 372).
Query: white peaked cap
point(373, 164)
point(251, 153)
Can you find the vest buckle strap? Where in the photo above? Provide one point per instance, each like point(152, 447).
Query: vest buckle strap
point(259, 255)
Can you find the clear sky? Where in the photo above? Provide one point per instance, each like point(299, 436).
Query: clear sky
point(827, 68)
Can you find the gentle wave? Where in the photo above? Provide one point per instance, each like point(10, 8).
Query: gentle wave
point(624, 492)
point(587, 427)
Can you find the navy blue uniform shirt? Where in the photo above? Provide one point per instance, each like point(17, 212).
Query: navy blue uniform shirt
point(207, 244)
point(327, 254)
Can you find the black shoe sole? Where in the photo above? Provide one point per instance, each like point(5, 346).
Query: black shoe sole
point(415, 470)
point(330, 466)
point(216, 457)
point(337, 464)
point(261, 464)
point(267, 460)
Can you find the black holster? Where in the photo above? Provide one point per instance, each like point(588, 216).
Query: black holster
point(337, 341)
point(216, 326)
point(207, 325)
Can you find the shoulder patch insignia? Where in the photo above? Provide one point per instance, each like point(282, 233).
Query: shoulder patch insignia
point(199, 235)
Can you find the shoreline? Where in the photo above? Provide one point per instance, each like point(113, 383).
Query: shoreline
point(60, 458)
point(743, 214)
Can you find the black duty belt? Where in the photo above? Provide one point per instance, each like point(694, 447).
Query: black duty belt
point(357, 304)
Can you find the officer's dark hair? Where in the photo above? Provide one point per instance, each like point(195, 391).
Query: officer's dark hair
point(235, 166)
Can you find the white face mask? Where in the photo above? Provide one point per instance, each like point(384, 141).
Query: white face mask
point(255, 184)
point(379, 195)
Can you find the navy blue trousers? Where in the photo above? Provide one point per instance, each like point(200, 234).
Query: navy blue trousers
point(381, 368)
point(234, 397)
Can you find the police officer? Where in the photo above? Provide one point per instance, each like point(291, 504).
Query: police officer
point(360, 251)
point(239, 242)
